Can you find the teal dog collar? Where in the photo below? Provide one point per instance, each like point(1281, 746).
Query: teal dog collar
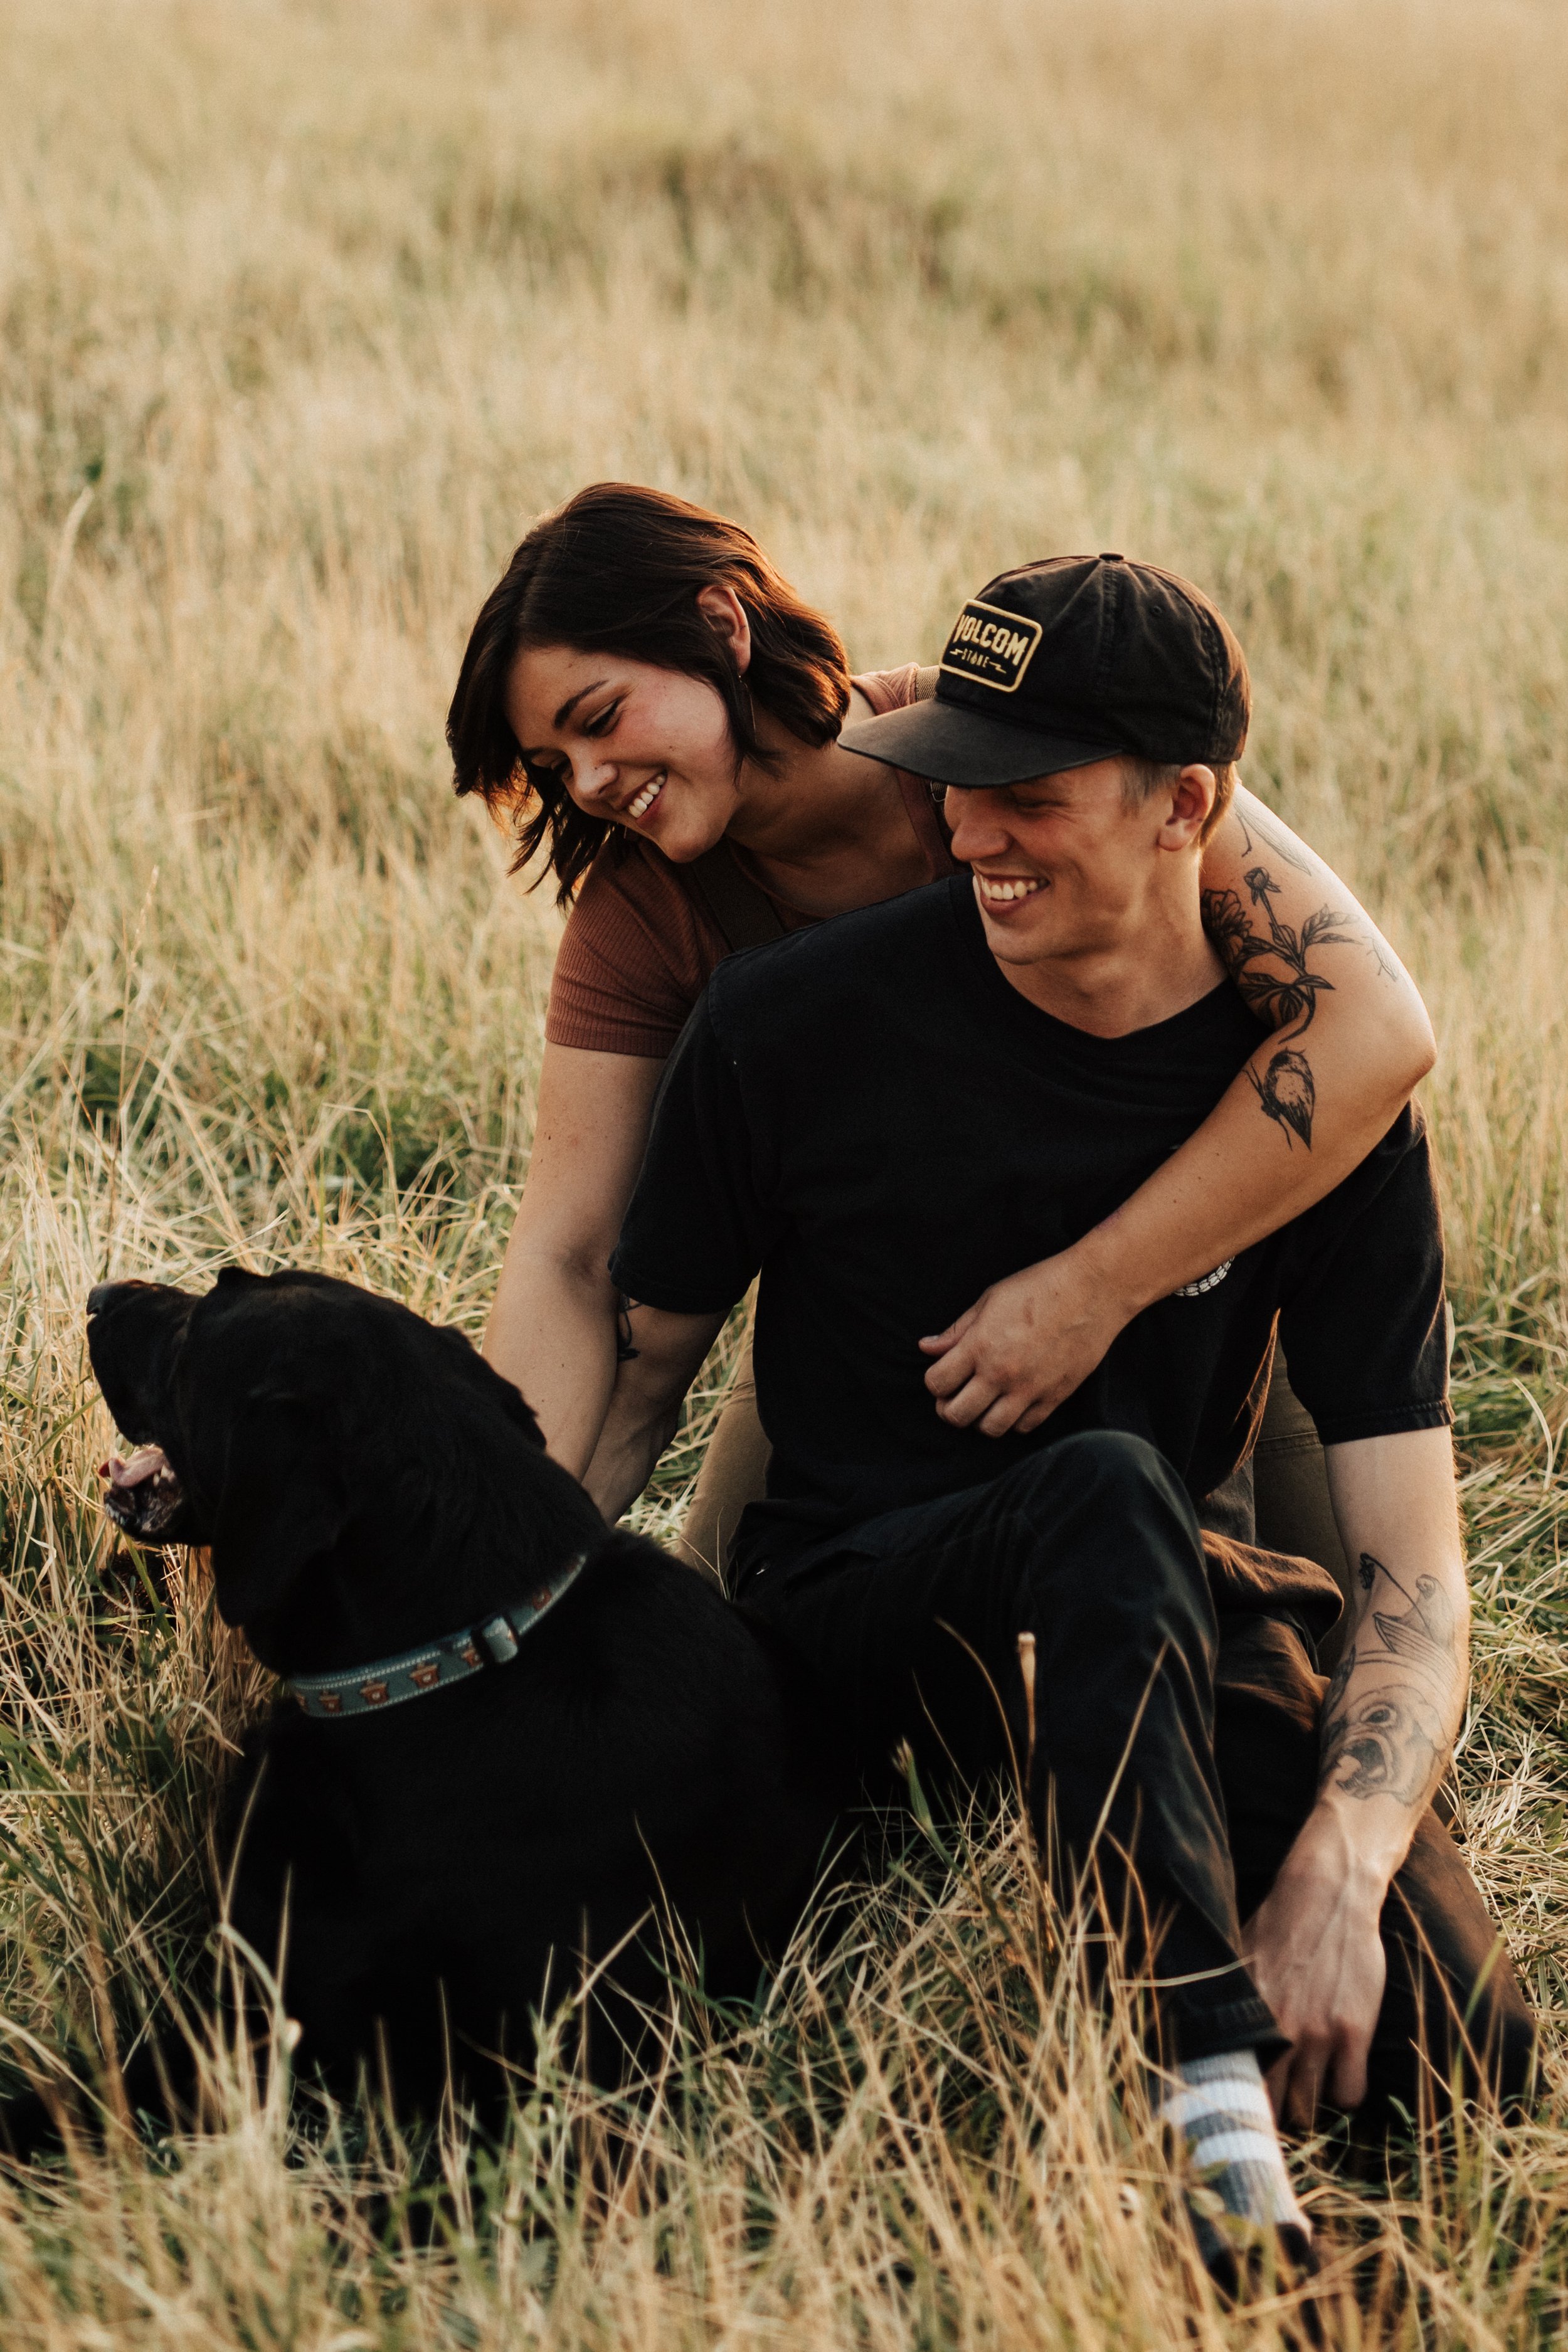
point(367, 1690)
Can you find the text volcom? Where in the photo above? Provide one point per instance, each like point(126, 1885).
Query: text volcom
point(1009, 644)
point(990, 646)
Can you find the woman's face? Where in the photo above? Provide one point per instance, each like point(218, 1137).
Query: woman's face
point(649, 748)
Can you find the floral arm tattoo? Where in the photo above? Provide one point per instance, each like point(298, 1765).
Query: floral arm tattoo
point(1271, 963)
point(1386, 1737)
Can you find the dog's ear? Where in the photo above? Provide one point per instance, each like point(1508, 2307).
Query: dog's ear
point(282, 1502)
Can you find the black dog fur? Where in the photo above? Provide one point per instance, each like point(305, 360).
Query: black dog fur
point(366, 1481)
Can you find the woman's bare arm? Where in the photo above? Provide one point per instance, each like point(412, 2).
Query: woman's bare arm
point(1308, 957)
point(1350, 1041)
point(552, 1330)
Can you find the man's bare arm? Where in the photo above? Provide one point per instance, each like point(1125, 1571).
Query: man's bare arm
point(1389, 1722)
point(644, 1404)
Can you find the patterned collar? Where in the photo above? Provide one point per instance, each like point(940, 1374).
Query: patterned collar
point(367, 1690)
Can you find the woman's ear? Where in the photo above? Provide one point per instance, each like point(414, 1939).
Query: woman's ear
point(726, 617)
point(282, 1503)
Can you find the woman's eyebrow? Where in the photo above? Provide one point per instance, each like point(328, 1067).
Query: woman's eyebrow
point(570, 705)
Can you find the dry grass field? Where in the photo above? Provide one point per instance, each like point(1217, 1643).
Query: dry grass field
point(304, 310)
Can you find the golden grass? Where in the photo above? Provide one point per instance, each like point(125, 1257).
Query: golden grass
point(303, 312)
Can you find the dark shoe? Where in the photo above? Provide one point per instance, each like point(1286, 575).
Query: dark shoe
point(1246, 2263)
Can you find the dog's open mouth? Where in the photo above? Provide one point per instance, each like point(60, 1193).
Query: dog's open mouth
point(144, 1494)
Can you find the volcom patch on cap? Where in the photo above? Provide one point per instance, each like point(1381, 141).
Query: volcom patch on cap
point(993, 647)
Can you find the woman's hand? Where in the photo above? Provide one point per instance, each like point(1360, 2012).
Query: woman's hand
point(1024, 1345)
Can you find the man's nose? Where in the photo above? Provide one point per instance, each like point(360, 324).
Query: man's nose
point(977, 827)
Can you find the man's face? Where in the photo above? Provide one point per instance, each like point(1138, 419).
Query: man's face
point(1063, 867)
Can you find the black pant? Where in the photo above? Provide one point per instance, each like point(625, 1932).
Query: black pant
point(1176, 1711)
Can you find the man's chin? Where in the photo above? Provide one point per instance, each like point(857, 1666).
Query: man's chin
point(1021, 931)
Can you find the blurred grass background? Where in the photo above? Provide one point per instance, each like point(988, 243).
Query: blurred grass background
point(305, 311)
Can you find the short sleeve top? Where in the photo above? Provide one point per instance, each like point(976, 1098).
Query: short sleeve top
point(872, 1116)
point(639, 946)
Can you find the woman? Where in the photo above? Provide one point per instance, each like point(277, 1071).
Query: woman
point(645, 696)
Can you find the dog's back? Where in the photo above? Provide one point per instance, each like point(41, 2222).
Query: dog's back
point(454, 1867)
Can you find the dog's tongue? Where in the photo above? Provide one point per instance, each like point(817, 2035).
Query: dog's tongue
point(145, 1463)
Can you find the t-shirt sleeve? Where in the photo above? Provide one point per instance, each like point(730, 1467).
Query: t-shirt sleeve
point(889, 689)
point(1364, 1321)
point(632, 959)
point(695, 1229)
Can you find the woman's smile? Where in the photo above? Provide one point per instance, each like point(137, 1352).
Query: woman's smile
point(639, 804)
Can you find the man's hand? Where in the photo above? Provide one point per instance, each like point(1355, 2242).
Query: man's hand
point(1317, 1958)
point(1024, 1345)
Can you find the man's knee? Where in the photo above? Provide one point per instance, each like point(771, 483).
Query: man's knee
point(1116, 1531)
point(1112, 1475)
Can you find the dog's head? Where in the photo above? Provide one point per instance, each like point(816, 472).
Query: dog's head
point(277, 1413)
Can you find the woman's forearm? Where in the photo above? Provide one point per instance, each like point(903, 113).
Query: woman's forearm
point(1240, 1176)
point(551, 1333)
point(552, 1328)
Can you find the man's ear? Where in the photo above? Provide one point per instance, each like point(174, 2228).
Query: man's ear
point(281, 1504)
point(1193, 795)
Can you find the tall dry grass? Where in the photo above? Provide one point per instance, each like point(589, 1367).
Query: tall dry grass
point(303, 312)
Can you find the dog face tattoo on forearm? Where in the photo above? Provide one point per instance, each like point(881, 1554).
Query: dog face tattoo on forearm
point(1386, 1738)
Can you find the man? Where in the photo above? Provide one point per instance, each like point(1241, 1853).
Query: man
point(891, 1113)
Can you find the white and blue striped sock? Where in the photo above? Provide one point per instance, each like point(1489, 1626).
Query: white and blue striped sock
point(1221, 2109)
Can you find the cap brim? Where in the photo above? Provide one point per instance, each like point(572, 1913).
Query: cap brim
point(952, 745)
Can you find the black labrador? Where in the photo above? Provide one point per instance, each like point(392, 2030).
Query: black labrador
point(508, 1737)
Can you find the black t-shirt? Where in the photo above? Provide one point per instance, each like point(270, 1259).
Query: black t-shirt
point(872, 1116)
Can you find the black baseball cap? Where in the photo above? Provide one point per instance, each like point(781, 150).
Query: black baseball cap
point(1067, 661)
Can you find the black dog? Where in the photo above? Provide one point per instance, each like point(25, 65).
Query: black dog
point(450, 1854)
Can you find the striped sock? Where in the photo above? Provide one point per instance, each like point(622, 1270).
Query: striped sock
point(1222, 2111)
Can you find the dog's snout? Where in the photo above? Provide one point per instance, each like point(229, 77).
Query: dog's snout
point(103, 1294)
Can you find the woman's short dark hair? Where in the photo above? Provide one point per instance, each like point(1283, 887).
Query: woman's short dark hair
point(617, 570)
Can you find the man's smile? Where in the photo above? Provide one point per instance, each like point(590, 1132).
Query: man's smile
point(1002, 889)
